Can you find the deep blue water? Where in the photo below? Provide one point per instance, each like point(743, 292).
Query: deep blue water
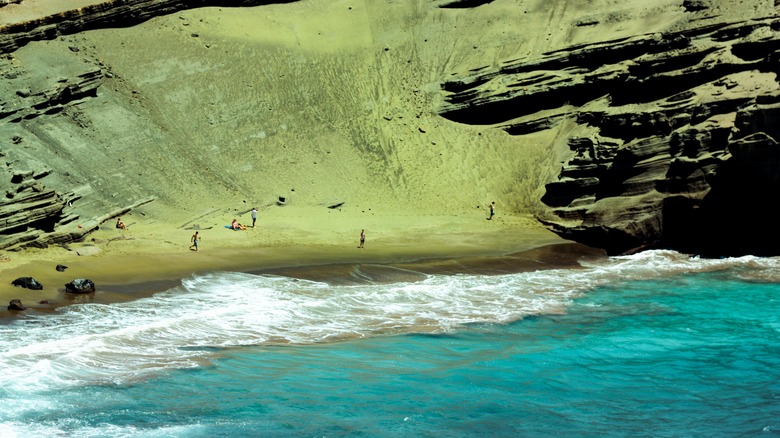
point(650, 345)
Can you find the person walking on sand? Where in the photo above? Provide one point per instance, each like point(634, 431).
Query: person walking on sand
point(254, 216)
point(362, 238)
point(195, 238)
point(492, 208)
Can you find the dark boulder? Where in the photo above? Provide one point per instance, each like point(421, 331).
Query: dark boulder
point(16, 305)
point(80, 286)
point(61, 268)
point(28, 283)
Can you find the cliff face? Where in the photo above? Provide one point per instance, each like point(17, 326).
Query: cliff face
point(682, 152)
point(98, 14)
point(665, 116)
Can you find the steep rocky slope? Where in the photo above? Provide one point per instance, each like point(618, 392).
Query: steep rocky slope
point(681, 151)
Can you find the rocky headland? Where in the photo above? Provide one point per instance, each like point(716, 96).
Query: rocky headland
point(680, 151)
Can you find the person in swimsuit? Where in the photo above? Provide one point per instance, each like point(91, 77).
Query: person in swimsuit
point(195, 238)
point(492, 207)
point(119, 224)
point(362, 238)
point(236, 226)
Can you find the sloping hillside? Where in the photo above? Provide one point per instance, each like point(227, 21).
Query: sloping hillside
point(315, 103)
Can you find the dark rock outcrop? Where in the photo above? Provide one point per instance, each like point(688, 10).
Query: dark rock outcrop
point(681, 151)
point(80, 286)
point(16, 304)
point(463, 4)
point(694, 5)
point(27, 283)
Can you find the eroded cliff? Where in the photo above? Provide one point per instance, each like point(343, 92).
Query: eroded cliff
point(680, 151)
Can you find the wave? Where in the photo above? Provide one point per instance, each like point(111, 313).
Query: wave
point(180, 328)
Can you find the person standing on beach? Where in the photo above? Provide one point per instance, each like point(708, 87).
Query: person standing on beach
point(195, 238)
point(362, 238)
point(254, 216)
point(492, 208)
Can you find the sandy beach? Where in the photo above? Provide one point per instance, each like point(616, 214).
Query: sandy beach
point(241, 107)
point(151, 255)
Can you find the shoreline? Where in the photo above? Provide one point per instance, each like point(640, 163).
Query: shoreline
point(144, 260)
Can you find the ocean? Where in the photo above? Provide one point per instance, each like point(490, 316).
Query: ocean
point(654, 344)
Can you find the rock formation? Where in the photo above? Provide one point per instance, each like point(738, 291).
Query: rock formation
point(681, 154)
point(16, 304)
point(109, 13)
point(31, 212)
point(27, 283)
point(80, 286)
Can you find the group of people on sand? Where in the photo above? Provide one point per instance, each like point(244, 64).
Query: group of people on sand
point(235, 225)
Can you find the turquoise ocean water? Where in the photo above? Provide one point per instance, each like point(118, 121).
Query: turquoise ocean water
point(655, 344)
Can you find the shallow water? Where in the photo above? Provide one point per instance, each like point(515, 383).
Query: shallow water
point(656, 344)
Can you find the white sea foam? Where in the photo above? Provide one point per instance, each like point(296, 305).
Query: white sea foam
point(26, 430)
point(93, 343)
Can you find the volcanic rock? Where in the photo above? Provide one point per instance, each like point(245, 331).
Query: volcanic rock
point(27, 283)
point(80, 286)
point(16, 305)
point(685, 154)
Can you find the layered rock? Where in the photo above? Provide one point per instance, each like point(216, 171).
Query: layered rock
point(32, 213)
point(681, 150)
point(103, 14)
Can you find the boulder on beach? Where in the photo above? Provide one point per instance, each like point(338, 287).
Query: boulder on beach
point(16, 304)
point(27, 283)
point(80, 286)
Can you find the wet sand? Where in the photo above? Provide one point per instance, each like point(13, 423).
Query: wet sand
point(554, 256)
